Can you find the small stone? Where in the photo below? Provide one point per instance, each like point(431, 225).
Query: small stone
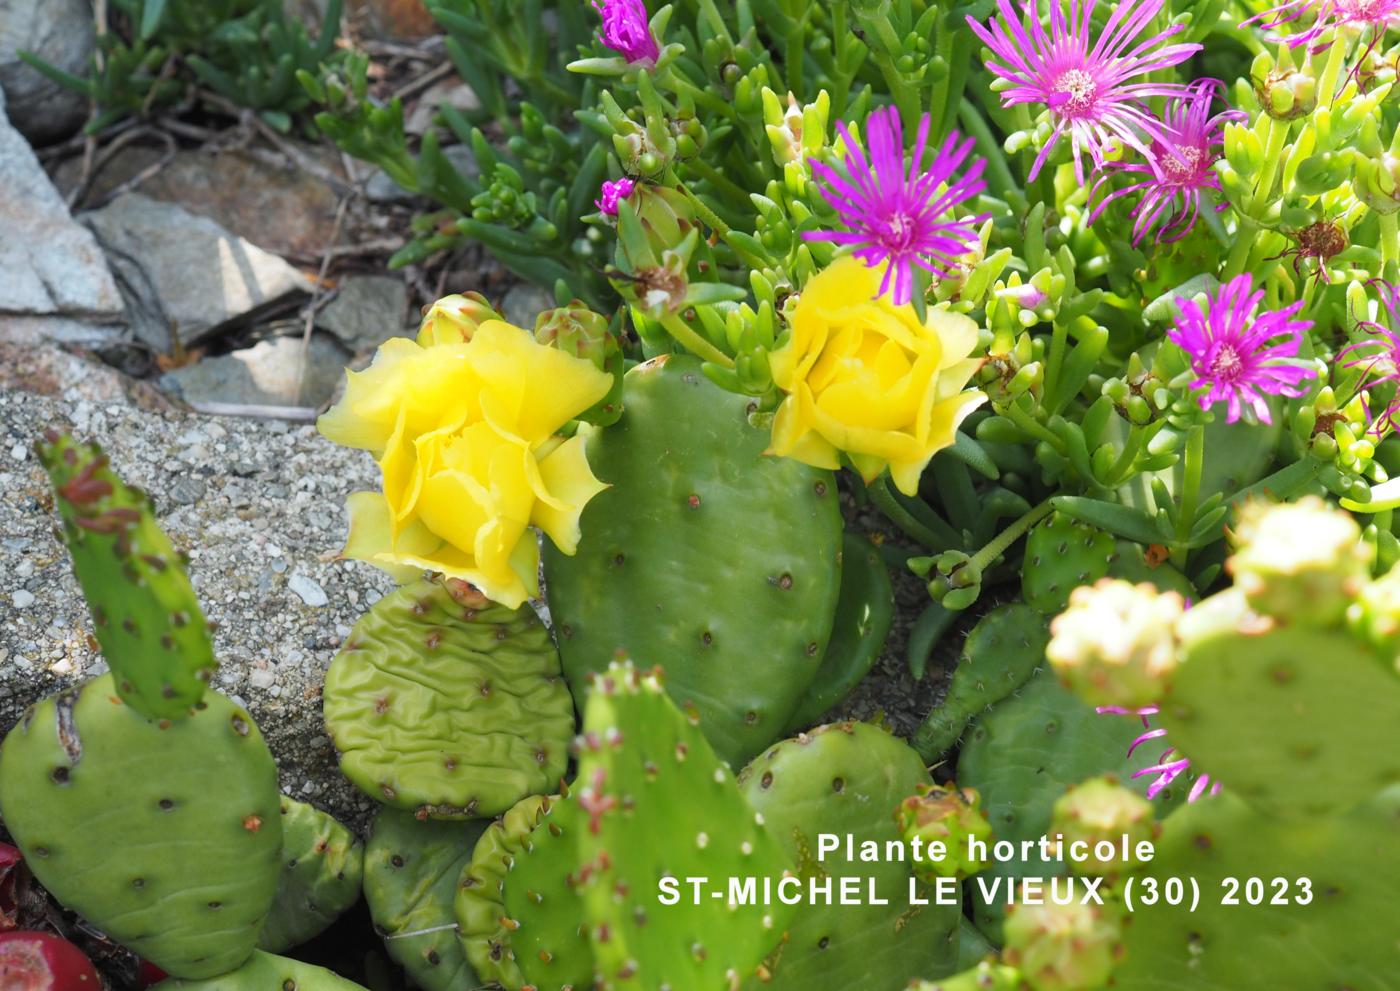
point(524, 302)
point(186, 490)
point(23, 599)
point(308, 590)
point(261, 678)
point(366, 312)
point(450, 92)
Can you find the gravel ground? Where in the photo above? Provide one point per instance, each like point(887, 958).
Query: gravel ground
point(259, 507)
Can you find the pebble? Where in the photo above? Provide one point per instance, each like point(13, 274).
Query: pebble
point(308, 590)
point(23, 599)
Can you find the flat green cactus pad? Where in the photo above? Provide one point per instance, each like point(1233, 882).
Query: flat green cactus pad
point(322, 866)
point(657, 803)
point(445, 703)
point(704, 555)
point(1344, 937)
point(266, 972)
point(1290, 719)
point(165, 836)
point(411, 872)
point(144, 611)
point(848, 778)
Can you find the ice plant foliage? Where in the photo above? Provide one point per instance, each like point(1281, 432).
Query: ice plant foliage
point(1240, 354)
point(1177, 170)
point(1378, 358)
point(1170, 765)
point(610, 194)
point(1084, 81)
point(1378, 15)
point(895, 213)
point(627, 31)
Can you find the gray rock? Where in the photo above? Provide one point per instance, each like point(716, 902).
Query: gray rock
point(270, 373)
point(379, 188)
point(308, 591)
point(523, 302)
point(274, 648)
point(61, 32)
point(51, 268)
point(449, 92)
point(366, 312)
point(184, 271)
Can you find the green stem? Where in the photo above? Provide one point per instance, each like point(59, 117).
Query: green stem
point(997, 546)
point(934, 534)
point(1033, 426)
point(1390, 239)
point(694, 343)
point(999, 177)
point(712, 175)
point(1192, 466)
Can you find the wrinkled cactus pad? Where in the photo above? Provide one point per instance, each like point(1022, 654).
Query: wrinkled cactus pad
point(444, 703)
point(266, 972)
point(411, 872)
point(144, 611)
point(165, 836)
point(322, 866)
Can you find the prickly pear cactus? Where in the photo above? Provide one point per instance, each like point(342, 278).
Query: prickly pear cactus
point(445, 703)
point(864, 614)
point(165, 836)
point(1021, 756)
point(1322, 925)
point(1062, 554)
point(640, 761)
point(848, 778)
point(266, 972)
point(322, 866)
point(411, 872)
point(1001, 653)
point(520, 916)
point(144, 611)
point(712, 547)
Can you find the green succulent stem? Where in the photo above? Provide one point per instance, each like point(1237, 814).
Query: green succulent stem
point(693, 342)
point(1190, 492)
point(930, 531)
point(1390, 239)
point(997, 546)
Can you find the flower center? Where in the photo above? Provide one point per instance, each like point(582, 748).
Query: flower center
point(1184, 165)
point(1079, 89)
point(900, 229)
point(1226, 364)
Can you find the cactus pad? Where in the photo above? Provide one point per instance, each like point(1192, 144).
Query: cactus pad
point(144, 611)
point(701, 550)
point(640, 763)
point(322, 866)
point(1004, 649)
point(411, 872)
point(165, 836)
point(1344, 938)
point(520, 917)
point(1289, 718)
point(849, 778)
point(444, 703)
point(1061, 555)
point(266, 972)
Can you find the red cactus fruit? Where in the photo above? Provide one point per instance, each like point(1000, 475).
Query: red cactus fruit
point(35, 961)
point(11, 864)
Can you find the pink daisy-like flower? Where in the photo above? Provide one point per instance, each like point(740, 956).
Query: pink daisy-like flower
point(627, 31)
point(1378, 15)
point(1084, 81)
point(1240, 354)
point(893, 213)
point(1379, 359)
point(1170, 765)
point(610, 194)
point(1177, 169)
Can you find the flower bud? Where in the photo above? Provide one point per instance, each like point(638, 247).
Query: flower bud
point(1101, 809)
point(1298, 562)
point(454, 319)
point(1063, 947)
point(1286, 93)
point(1375, 615)
point(1115, 644)
point(947, 815)
point(576, 330)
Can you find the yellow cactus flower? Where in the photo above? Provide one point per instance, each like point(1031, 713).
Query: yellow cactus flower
point(865, 378)
point(465, 435)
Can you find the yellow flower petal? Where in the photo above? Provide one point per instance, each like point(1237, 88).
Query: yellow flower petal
point(570, 483)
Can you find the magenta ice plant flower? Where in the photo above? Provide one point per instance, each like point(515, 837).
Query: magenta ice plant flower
point(610, 194)
point(1378, 357)
point(1170, 765)
point(1240, 354)
point(627, 31)
point(1086, 82)
point(1178, 168)
point(1378, 15)
point(895, 213)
